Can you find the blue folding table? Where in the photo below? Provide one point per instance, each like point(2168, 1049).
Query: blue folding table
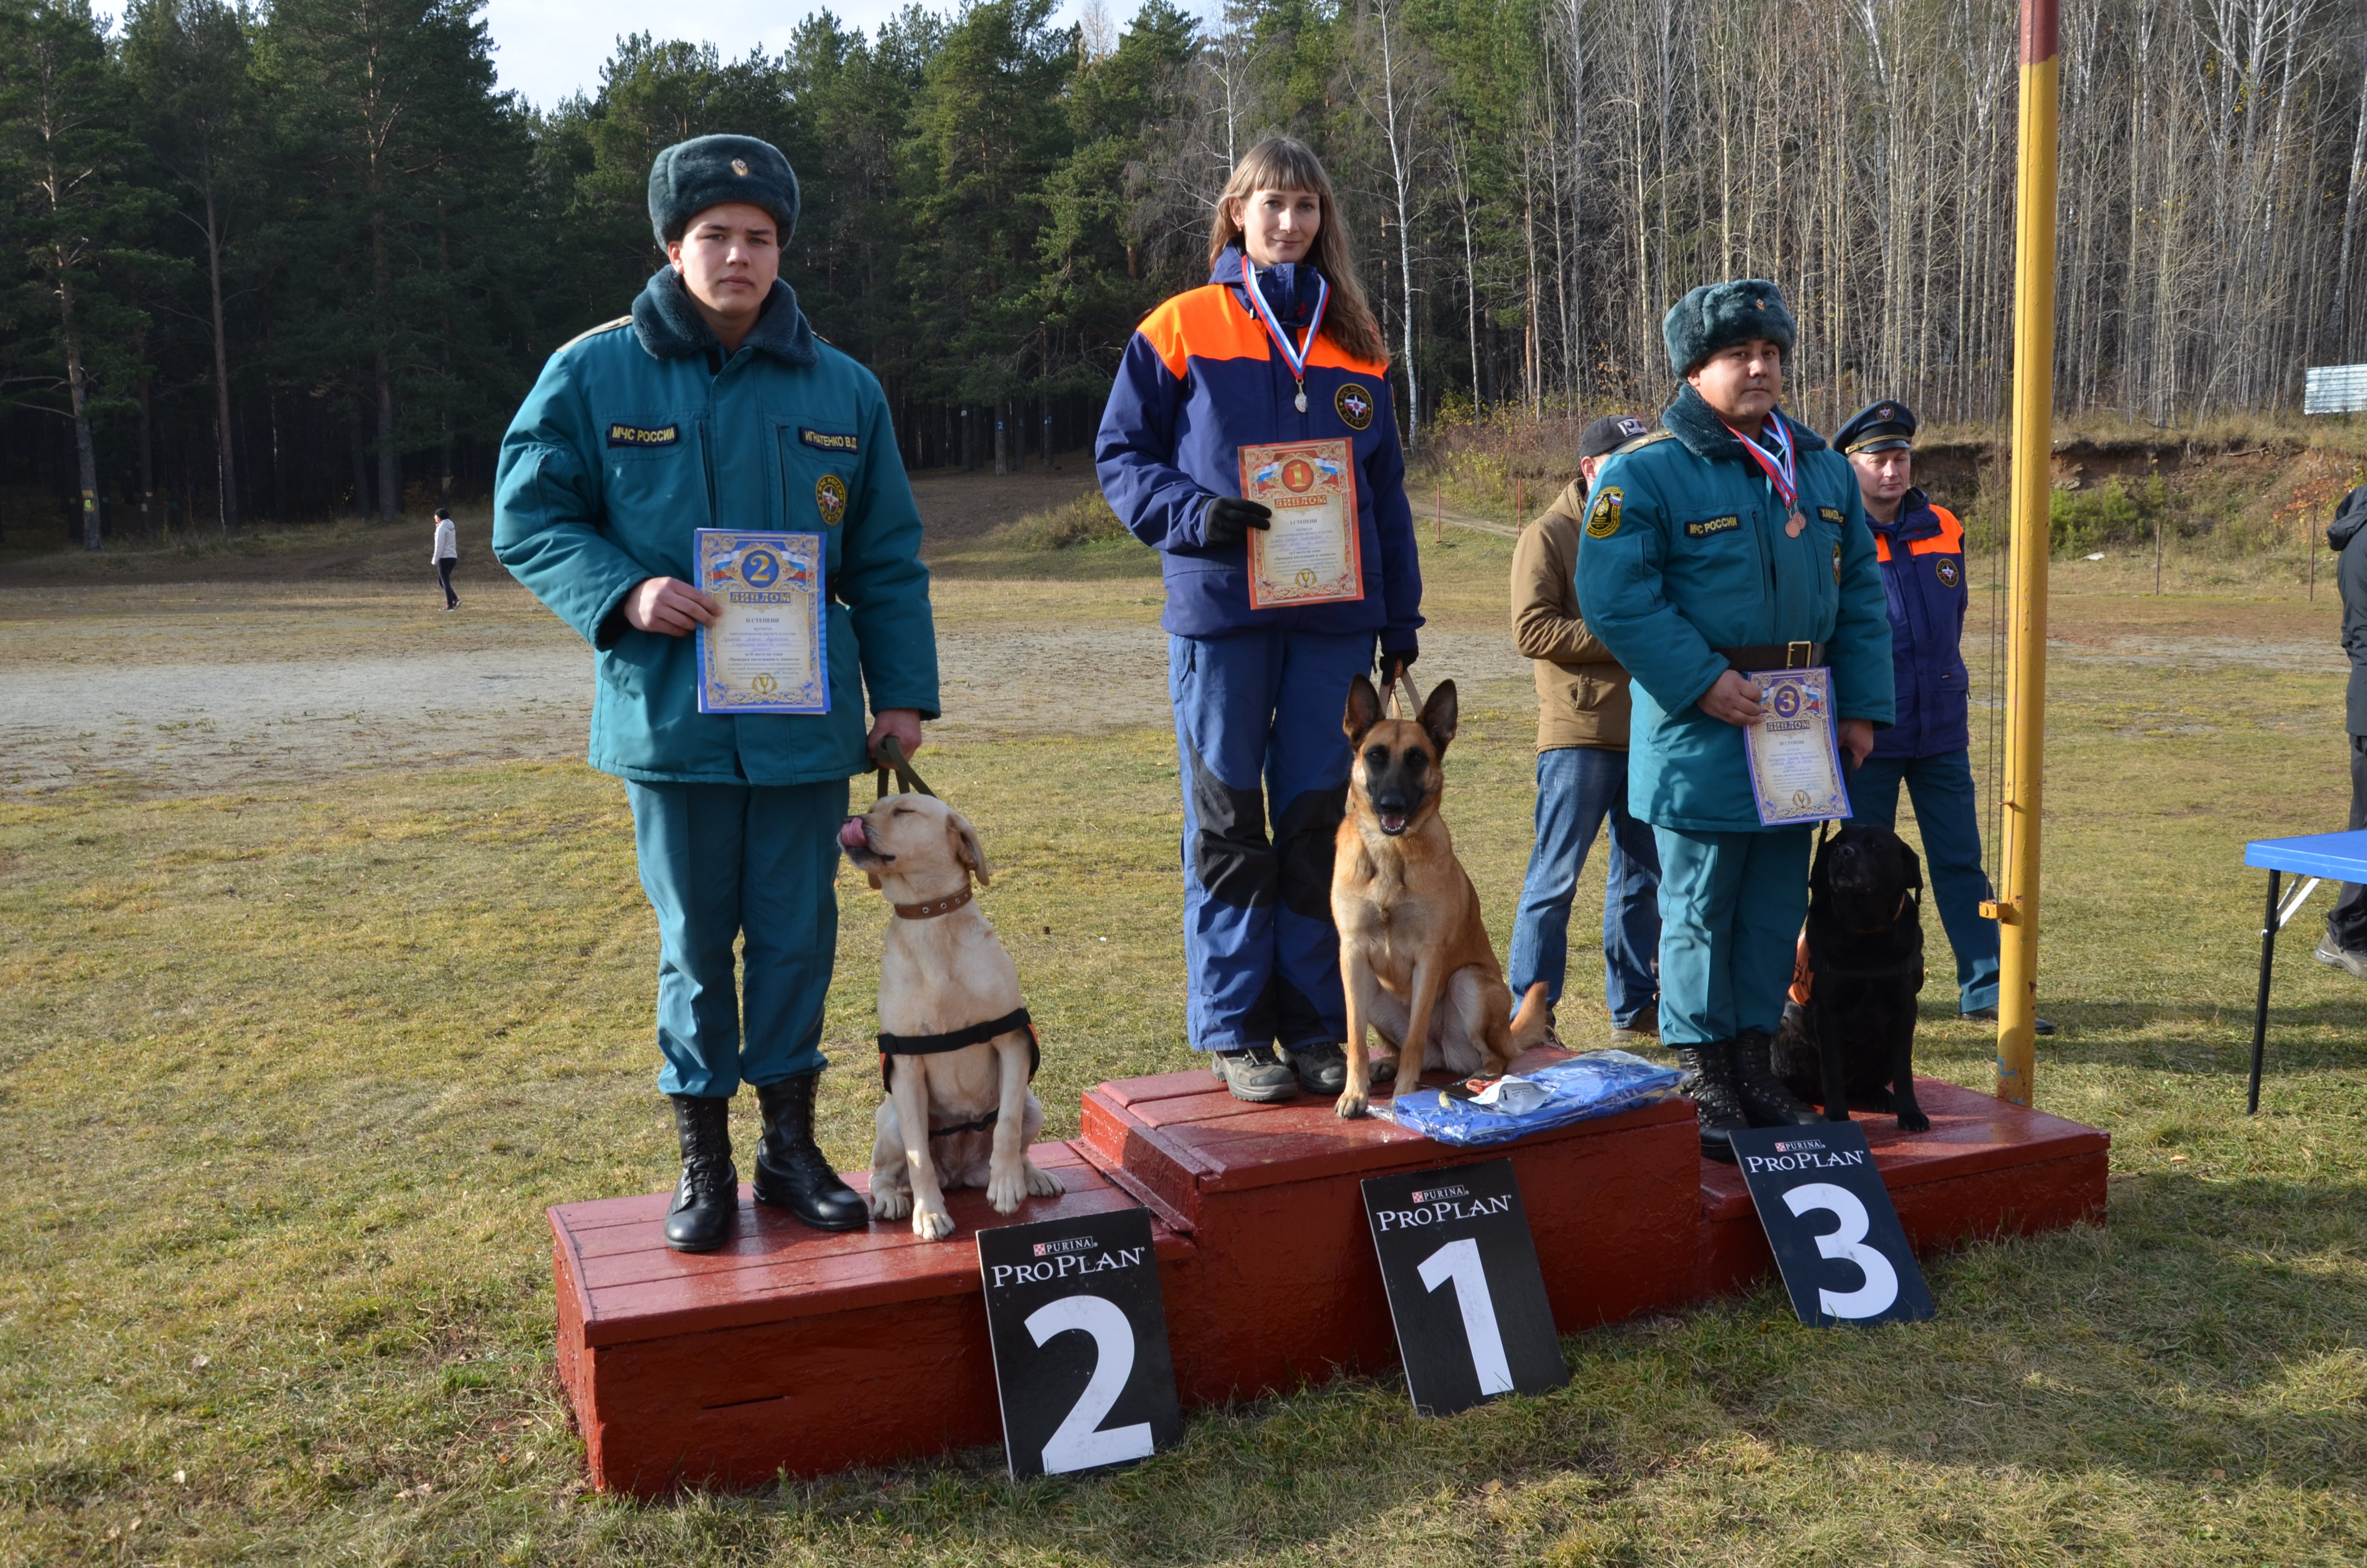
point(2328, 857)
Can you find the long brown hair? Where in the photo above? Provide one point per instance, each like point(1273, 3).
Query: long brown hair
point(1283, 163)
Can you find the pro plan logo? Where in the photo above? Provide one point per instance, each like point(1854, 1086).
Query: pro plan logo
point(1354, 403)
point(1066, 1257)
point(1437, 1205)
point(1805, 1154)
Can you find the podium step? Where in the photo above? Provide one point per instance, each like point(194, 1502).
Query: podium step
point(1288, 1286)
point(1988, 1167)
point(790, 1348)
point(806, 1351)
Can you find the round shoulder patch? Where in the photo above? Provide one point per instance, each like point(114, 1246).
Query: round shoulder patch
point(1948, 572)
point(1354, 405)
point(1603, 519)
point(829, 498)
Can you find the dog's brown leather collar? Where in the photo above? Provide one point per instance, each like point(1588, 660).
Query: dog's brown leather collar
point(935, 907)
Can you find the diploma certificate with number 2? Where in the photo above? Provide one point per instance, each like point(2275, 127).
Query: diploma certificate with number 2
point(764, 655)
point(1310, 555)
point(1794, 751)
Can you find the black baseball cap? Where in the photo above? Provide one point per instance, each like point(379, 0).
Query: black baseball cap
point(1609, 433)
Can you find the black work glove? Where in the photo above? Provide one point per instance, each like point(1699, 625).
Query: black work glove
point(1394, 660)
point(1229, 519)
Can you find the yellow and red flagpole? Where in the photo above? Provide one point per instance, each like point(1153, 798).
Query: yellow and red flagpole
point(2034, 445)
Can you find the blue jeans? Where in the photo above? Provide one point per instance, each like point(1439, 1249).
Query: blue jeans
point(1947, 812)
point(1731, 906)
point(1257, 732)
point(1577, 788)
point(721, 862)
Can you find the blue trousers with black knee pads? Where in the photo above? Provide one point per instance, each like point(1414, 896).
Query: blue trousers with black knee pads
point(1264, 765)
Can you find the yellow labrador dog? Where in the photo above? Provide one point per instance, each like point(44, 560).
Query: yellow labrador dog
point(958, 1048)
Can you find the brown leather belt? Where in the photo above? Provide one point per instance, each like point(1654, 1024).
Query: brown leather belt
point(1774, 656)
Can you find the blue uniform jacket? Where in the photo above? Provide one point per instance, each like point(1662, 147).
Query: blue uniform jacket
point(1922, 557)
point(1201, 379)
point(1683, 551)
point(642, 431)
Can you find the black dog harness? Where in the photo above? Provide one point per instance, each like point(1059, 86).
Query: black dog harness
point(894, 1045)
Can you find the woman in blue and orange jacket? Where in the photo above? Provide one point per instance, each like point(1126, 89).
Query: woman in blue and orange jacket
point(1260, 693)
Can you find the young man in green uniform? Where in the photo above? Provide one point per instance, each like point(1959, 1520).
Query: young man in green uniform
point(1735, 542)
point(714, 406)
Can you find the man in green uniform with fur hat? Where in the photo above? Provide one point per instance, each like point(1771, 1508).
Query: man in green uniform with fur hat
point(1736, 541)
point(714, 406)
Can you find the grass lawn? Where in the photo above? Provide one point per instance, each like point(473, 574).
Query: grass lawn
point(289, 1075)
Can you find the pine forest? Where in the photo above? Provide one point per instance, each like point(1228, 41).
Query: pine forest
point(293, 260)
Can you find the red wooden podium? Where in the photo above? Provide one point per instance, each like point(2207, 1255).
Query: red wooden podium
point(794, 1349)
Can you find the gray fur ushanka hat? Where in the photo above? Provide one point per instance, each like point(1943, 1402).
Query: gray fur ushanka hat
point(1719, 315)
point(706, 171)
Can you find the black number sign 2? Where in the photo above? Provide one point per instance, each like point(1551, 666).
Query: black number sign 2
point(1080, 1334)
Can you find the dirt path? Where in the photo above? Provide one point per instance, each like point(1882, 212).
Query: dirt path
point(342, 662)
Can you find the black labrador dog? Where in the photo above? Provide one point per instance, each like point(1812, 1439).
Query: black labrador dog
point(1854, 1042)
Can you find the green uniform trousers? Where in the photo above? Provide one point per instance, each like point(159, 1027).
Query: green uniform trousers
point(1732, 906)
point(724, 861)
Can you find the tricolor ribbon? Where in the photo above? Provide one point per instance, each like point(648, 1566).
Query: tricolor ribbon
point(1782, 470)
point(1294, 357)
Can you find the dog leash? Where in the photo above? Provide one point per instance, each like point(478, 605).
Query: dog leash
point(1405, 701)
point(892, 751)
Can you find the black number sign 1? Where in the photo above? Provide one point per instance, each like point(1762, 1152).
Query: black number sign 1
point(1464, 1288)
point(1080, 1335)
point(1829, 1220)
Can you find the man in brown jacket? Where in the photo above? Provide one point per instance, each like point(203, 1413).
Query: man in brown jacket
point(1582, 767)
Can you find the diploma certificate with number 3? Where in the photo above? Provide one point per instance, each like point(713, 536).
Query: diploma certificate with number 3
point(764, 655)
point(1795, 759)
point(1310, 555)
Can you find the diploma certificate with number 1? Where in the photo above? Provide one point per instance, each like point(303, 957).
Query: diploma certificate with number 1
point(1310, 555)
point(764, 655)
point(1795, 759)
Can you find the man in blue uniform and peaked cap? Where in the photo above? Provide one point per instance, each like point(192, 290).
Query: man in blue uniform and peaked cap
point(714, 406)
point(1921, 549)
point(1735, 542)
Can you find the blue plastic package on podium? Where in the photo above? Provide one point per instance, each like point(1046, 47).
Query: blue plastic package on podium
point(1597, 1083)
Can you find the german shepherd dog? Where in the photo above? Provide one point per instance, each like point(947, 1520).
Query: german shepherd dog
point(1853, 1044)
point(1411, 941)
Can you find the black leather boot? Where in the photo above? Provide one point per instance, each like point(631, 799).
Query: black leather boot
point(1709, 1084)
point(1765, 1100)
point(790, 1171)
point(707, 1201)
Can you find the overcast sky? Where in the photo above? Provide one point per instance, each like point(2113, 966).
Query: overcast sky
point(548, 49)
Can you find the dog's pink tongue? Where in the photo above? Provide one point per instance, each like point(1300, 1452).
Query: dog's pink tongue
point(849, 833)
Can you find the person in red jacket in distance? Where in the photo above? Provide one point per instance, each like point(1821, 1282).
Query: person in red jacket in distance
point(1278, 346)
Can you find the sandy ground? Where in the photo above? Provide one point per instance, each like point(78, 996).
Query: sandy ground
point(192, 691)
point(223, 673)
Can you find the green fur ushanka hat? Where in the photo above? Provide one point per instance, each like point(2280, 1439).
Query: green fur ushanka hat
point(706, 171)
point(1719, 315)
